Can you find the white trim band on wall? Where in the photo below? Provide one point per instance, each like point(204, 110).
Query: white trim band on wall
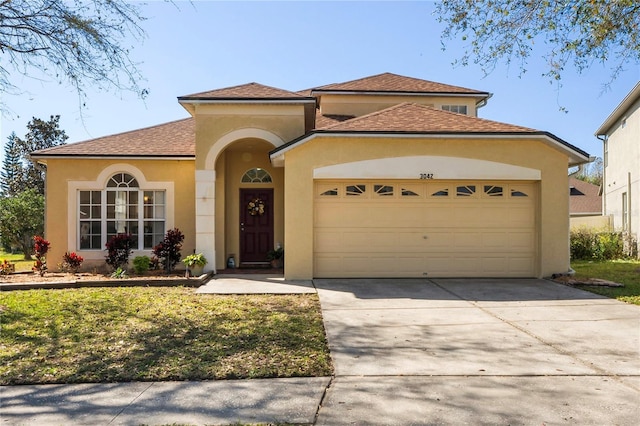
point(431, 167)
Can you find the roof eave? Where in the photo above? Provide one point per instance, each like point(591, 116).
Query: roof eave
point(320, 92)
point(43, 157)
point(619, 111)
point(189, 102)
point(575, 155)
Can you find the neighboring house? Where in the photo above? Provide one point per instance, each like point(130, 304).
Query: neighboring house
point(585, 205)
point(620, 134)
point(385, 176)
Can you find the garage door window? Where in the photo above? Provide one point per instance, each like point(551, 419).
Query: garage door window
point(356, 189)
point(330, 192)
point(441, 193)
point(431, 190)
point(493, 191)
point(466, 191)
point(383, 190)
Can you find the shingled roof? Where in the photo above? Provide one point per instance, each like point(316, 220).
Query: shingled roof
point(411, 117)
point(416, 119)
point(173, 139)
point(584, 198)
point(253, 91)
point(394, 83)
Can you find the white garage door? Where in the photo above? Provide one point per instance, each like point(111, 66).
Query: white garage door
point(425, 229)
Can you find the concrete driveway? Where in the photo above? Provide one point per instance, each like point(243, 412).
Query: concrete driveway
point(478, 351)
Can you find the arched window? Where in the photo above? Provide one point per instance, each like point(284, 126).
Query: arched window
point(121, 208)
point(256, 175)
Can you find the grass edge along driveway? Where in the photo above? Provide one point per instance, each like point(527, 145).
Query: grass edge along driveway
point(157, 334)
point(625, 272)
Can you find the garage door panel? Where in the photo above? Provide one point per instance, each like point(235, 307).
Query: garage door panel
point(521, 241)
point(520, 217)
point(466, 241)
point(427, 234)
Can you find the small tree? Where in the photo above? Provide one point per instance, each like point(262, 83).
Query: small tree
point(22, 217)
point(168, 250)
point(119, 248)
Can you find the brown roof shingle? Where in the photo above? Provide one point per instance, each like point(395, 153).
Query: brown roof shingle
point(389, 82)
point(245, 91)
point(173, 139)
point(584, 197)
point(411, 117)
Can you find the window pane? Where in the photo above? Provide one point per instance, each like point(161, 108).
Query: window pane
point(95, 212)
point(466, 191)
point(95, 227)
point(111, 197)
point(356, 189)
point(148, 212)
point(383, 189)
point(111, 227)
point(85, 212)
point(133, 212)
point(330, 192)
point(159, 212)
point(493, 191)
point(408, 193)
point(133, 197)
point(85, 197)
point(148, 197)
point(96, 242)
point(96, 197)
point(159, 197)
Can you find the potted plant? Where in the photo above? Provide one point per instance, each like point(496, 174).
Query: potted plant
point(194, 263)
point(276, 257)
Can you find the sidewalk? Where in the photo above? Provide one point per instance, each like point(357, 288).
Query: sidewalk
point(225, 402)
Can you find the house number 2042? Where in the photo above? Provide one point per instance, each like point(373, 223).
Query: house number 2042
point(426, 175)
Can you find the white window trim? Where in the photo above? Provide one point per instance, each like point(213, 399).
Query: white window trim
point(100, 184)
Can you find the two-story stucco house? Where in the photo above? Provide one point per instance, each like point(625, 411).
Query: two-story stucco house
point(385, 176)
point(620, 134)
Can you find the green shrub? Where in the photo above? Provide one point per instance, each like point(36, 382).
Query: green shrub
point(168, 250)
point(119, 247)
point(593, 245)
point(141, 264)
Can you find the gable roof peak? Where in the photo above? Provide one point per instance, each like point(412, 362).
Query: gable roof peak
point(395, 83)
point(251, 90)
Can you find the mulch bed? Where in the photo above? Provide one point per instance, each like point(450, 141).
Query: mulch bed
point(51, 280)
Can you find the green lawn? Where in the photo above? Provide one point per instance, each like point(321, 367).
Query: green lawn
point(149, 334)
point(626, 272)
point(18, 259)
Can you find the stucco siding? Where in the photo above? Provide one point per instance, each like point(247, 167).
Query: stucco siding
point(360, 105)
point(622, 174)
point(66, 176)
point(552, 211)
point(213, 122)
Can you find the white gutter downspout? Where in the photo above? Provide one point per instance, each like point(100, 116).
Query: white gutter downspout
point(604, 139)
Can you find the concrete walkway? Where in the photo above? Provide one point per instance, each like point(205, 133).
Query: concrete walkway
point(518, 352)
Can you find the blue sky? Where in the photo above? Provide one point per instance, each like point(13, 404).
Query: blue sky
point(297, 45)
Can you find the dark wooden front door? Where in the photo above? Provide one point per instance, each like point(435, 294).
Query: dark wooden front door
point(256, 230)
